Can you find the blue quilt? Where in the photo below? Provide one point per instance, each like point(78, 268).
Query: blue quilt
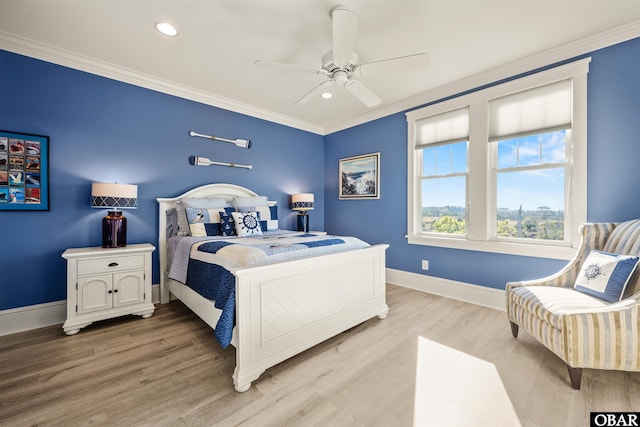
point(212, 262)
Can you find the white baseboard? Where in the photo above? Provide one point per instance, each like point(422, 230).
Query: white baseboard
point(40, 315)
point(475, 294)
point(155, 294)
point(32, 317)
point(53, 313)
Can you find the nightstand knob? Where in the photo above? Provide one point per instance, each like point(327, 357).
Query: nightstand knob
point(113, 264)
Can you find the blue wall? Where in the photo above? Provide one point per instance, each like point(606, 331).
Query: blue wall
point(613, 179)
point(104, 130)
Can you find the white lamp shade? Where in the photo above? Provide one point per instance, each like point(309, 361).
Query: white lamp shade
point(302, 202)
point(114, 195)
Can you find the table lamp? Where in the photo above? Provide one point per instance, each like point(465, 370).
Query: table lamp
point(114, 196)
point(302, 203)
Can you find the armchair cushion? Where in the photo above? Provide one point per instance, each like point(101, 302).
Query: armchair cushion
point(604, 275)
point(550, 303)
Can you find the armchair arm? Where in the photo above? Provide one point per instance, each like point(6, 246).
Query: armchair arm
point(605, 338)
point(593, 236)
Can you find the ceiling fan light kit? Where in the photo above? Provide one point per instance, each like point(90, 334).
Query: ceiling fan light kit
point(341, 64)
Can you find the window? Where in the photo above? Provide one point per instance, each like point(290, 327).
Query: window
point(530, 181)
point(502, 169)
point(442, 151)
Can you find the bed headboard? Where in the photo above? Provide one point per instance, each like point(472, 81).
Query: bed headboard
point(226, 191)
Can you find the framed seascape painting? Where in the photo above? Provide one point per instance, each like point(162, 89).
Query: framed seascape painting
point(360, 177)
point(24, 172)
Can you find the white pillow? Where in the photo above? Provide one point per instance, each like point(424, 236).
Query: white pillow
point(247, 223)
point(249, 202)
point(605, 276)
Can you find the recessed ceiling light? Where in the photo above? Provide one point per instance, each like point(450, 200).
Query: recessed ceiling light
point(166, 29)
point(327, 95)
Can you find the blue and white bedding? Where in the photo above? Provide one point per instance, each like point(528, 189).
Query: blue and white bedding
point(206, 264)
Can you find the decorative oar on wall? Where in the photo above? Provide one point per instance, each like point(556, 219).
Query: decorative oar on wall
point(242, 143)
point(203, 161)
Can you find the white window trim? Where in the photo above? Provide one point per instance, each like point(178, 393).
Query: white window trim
point(480, 193)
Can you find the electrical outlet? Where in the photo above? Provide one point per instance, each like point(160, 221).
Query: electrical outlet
point(425, 264)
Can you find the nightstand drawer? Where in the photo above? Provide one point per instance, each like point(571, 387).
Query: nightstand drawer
point(110, 264)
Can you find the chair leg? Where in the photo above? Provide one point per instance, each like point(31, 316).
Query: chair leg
point(514, 329)
point(575, 375)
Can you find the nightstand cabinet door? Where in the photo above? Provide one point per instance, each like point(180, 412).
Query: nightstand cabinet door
point(93, 293)
point(128, 288)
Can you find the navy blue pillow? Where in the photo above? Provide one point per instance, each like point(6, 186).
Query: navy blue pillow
point(227, 224)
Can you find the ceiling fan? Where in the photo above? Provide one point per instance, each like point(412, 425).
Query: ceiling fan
point(341, 66)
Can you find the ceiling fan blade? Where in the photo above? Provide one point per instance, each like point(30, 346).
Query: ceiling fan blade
point(387, 66)
point(314, 93)
point(363, 93)
point(345, 26)
point(288, 67)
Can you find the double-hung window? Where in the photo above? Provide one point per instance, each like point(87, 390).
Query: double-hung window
point(502, 169)
point(441, 150)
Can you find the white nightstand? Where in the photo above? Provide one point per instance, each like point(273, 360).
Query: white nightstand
point(103, 283)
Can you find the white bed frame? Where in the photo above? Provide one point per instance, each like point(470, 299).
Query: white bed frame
point(285, 308)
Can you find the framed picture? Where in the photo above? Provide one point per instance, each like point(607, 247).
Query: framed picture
point(360, 177)
point(24, 172)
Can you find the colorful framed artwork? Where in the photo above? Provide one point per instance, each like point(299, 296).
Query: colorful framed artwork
point(24, 172)
point(360, 177)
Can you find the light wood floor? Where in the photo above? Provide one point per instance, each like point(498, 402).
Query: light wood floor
point(168, 370)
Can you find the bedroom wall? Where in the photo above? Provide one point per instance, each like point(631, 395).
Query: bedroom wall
point(613, 177)
point(104, 130)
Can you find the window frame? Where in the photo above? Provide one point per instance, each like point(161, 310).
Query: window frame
point(481, 198)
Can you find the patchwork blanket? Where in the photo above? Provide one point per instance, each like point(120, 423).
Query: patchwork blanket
point(207, 265)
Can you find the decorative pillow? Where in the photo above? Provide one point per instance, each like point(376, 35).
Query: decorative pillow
point(181, 205)
point(244, 203)
point(227, 223)
point(203, 222)
point(605, 275)
point(268, 216)
point(247, 224)
point(172, 222)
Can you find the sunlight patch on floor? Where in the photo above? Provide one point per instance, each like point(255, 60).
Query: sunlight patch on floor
point(456, 389)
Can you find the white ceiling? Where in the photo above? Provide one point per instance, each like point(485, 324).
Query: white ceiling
point(211, 59)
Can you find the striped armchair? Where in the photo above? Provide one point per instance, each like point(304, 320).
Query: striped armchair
point(585, 332)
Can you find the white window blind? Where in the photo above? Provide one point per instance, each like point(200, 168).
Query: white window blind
point(445, 128)
point(543, 109)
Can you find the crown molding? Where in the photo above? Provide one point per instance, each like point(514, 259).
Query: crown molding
point(542, 59)
point(55, 55)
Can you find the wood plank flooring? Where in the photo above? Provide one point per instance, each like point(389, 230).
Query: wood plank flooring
point(168, 370)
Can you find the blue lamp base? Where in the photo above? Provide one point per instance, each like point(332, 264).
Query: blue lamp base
point(303, 221)
point(114, 230)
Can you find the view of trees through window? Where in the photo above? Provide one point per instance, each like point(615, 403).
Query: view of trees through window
point(530, 184)
point(444, 188)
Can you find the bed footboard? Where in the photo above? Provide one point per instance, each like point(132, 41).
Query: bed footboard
point(283, 309)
